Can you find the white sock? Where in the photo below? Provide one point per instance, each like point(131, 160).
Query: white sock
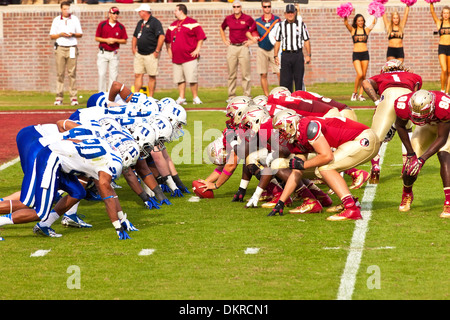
point(6, 219)
point(52, 217)
point(73, 209)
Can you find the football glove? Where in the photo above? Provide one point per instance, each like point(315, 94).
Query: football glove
point(152, 203)
point(253, 202)
point(122, 234)
point(165, 188)
point(176, 193)
point(239, 196)
point(414, 167)
point(127, 225)
point(278, 209)
point(165, 201)
point(296, 163)
point(390, 134)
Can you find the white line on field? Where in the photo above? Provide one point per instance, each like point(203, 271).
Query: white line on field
point(146, 252)
point(348, 277)
point(9, 163)
point(40, 253)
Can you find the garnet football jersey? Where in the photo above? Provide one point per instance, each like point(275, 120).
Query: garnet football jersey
point(336, 131)
point(301, 106)
point(401, 79)
point(317, 97)
point(441, 107)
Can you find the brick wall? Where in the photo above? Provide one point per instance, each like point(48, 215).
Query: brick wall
point(27, 62)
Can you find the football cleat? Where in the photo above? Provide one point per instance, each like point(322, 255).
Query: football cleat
point(271, 204)
point(308, 206)
point(73, 220)
point(359, 177)
point(354, 97)
point(361, 98)
point(58, 102)
point(325, 200)
point(374, 174)
point(407, 199)
point(265, 196)
point(45, 231)
point(446, 212)
point(74, 102)
point(336, 209)
point(349, 213)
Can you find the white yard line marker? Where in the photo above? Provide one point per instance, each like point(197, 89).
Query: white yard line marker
point(348, 277)
point(146, 252)
point(9, 163)
point(251, 251)
point(39, 253)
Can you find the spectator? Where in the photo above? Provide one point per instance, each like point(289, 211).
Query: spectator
point(148, 39)
point(111, 34)
point(292, 44)
point(443, 26)
point(184, 38)
point(240, 38)
point(65, 29)
point(264, 57)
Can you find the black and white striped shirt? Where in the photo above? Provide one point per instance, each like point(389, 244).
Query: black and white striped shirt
point(292, 35)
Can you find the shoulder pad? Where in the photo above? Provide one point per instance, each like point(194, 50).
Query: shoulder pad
point(311, 131)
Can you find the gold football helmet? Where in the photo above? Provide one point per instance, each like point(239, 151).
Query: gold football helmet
point(286, 122)
point(421, 106)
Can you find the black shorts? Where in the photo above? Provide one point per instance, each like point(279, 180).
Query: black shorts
point(364, 55)
point(395, 52)
point(444, 49)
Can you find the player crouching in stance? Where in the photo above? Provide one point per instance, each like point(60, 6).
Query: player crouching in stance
point(429, 110)
point(354, 144)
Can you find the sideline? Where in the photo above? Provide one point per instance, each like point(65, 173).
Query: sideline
point(348, 277)
point(9, 164)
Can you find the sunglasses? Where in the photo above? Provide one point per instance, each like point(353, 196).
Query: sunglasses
point(115, 12)
point(236, 6)
point(267, 6)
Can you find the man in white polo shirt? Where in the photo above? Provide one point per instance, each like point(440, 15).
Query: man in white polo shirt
point(66, 28)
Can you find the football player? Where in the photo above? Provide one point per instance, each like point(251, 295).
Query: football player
point(429, 111)
point(354, 144)
point(394, 80)
point(258, 123)
point(233, 140)
point(93, 158)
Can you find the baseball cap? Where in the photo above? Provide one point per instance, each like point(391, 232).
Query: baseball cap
point(114, 10)
point(144, 7)
point(290, 8)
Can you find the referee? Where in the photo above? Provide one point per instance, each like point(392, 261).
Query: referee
point(291, 38)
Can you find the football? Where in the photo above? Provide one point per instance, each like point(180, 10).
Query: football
point(199, 191)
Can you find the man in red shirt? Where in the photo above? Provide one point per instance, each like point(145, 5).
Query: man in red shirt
point(240, 38)
point(184, 38)
point(429, 110)
point(110, 34)
point(393, 81)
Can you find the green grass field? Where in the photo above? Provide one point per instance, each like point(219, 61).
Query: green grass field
point(199, 247)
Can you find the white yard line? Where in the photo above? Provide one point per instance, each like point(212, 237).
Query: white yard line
point(8, 164)
point(348, 277)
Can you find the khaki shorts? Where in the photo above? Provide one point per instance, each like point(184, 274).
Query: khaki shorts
point(146, 64)
point(265, 61)
point(185, 72)
point(384, 116)
point(349, 155)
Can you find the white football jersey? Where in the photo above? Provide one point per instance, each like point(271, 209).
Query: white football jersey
point(88, 157)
